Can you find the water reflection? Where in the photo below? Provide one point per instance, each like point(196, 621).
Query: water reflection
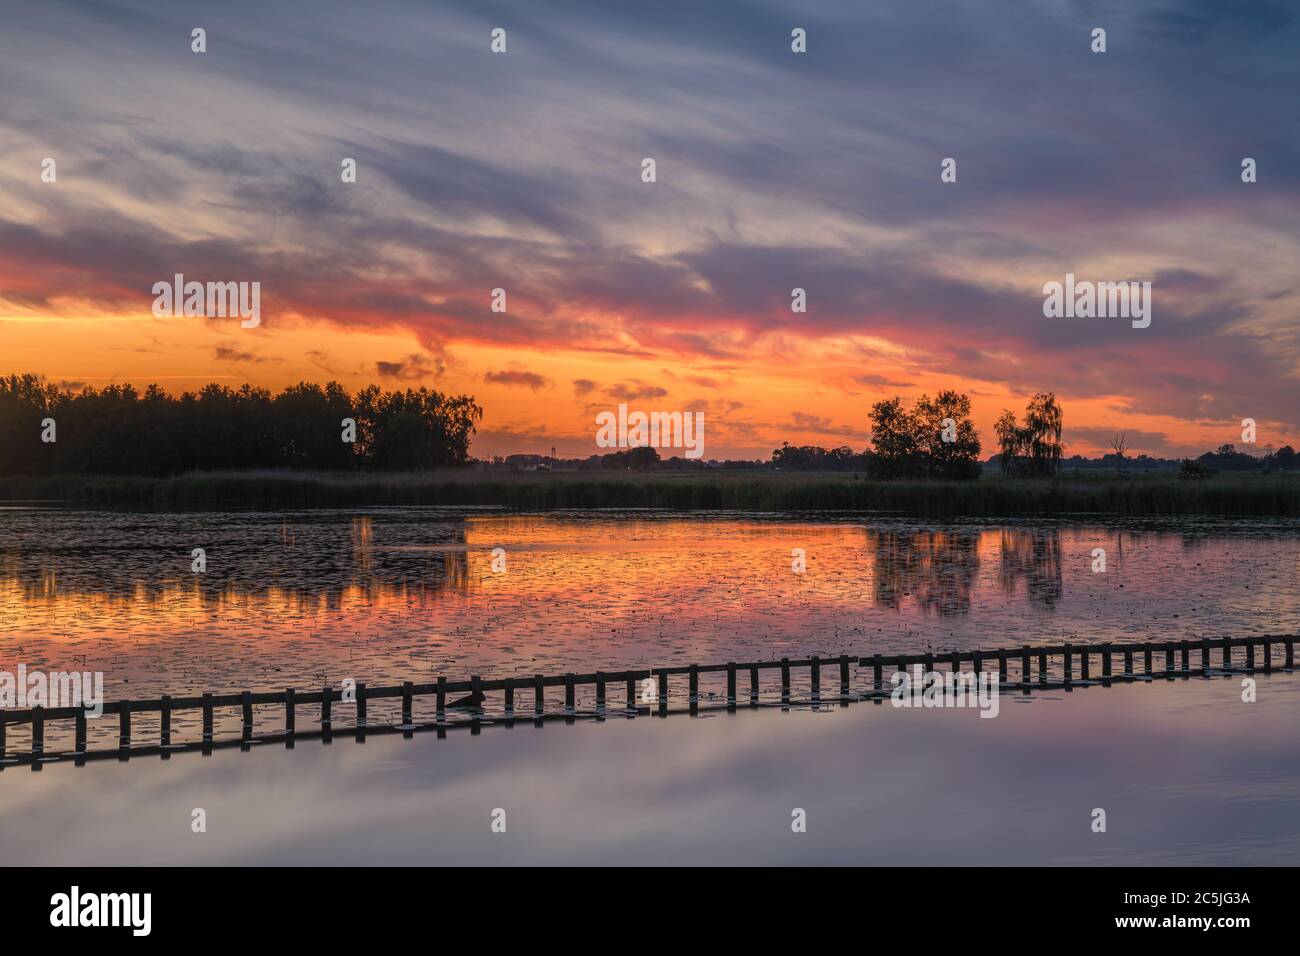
point(937, 569)
point(1034, 558)
point(391, 594)
point(305, 561)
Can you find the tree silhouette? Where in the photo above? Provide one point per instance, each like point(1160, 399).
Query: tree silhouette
point(117, 430)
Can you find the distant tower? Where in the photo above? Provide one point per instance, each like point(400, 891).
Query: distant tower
point(552, 451)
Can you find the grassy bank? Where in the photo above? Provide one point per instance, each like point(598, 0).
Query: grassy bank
point(792, 491)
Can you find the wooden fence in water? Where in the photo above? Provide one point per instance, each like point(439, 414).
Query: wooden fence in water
point(1055, 670)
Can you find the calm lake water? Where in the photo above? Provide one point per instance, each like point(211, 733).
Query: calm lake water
point(305, 598)
point(302, 599)
point(1186, 772)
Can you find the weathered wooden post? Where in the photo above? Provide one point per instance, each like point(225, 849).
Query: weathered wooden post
point(80, 733)
point(1227, 653)
point(816, 676)
point(1205, 654)
point(510, 697)
point(731, 685)
point(477, 697)
point(1268, 655)
point(1068, 670)
point(600, 692)
point(1250, 655)
point(844, 677)
point(361, 705)
point(1187, 656)
point(695, 688)
point(568, 693)
point(325, 707)
point(877, 674)
point(1290, 652)
point(164, 721)
point(753, 686)
point(539, 702)
point(1146, 659)
point(440, 698)
point(785, 680)
point(1002, 667)
point(663, 693)
point(1042, 667)
point(1084, 656)
point(407, 704)
point(290, 711)
point(1024, 666)
point(1169, 661)
point(631, 696)
point(124, 722)
point(245, 699)
point(977, 663)
point(38, 730)
point(1105, 664)
point(1128, 661)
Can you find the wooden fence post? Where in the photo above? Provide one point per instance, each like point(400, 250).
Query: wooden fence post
point(124, 738)
point(38, 730)
point(80, 744)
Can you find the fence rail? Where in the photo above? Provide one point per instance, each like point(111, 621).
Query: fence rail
point(1018, 660)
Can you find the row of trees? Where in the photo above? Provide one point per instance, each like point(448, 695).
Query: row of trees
point(121, 430)
point(937, 439)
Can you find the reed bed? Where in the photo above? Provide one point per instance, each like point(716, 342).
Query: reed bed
point(714, 491)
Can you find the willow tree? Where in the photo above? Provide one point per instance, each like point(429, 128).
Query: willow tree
point(1035, 448)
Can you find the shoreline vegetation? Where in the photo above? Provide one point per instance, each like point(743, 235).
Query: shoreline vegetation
point(989, 496)
point(312, 446)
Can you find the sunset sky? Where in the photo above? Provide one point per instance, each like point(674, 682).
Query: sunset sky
point(775, 170)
